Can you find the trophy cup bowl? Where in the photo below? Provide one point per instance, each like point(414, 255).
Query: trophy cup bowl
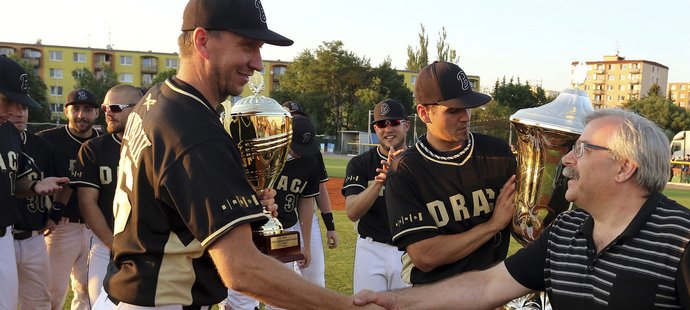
point(545, 134)
point(262, 129)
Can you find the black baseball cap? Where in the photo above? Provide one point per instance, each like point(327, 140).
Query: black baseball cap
point(14, 83)
point(294, 108)
point(244, 17)
point(81, 96)
point(389, 109)
point(446, 84)
point(303, 136)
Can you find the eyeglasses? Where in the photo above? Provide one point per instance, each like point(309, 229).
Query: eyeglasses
point(579, 148)
point(389, 122)
point(116, 108)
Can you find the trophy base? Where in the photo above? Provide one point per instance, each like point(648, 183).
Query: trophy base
point(284, 246)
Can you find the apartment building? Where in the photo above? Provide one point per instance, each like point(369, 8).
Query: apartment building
point(680, 94)
point(615, 80)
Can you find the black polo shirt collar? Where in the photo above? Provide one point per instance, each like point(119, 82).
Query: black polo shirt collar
point(640, 219)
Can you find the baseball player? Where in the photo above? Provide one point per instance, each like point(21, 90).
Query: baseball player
point(445, 206)
point(95, 177)
point(68, 245)
point(377, 263)
point(316, 271)
point(296, 187)
point(14, 173)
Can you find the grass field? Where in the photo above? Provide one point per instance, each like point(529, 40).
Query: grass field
point(339, 261)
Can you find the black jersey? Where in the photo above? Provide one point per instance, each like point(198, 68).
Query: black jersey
point(39, 164)
point(10, 153)
point(360, 173)
point(180, 186)
point(427, 197)
point(97, 168)
point(297, 180)
point(323, 175)
point(66, 147)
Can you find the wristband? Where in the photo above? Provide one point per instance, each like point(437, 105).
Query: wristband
point(32, 187)
point(328, 221)
point(56, 212)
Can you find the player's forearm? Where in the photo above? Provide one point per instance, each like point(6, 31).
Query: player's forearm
point(358, 205)
point(445, 249)
point(243, 268)
point(305, 211)
point(323, 200)
point(97, 222)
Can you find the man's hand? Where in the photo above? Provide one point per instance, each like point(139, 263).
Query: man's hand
point(388, 300)
point(267, 198)
point(307, 259)
point(49, 185)
point(383, 171)
point(332, 239)
point(505, 205)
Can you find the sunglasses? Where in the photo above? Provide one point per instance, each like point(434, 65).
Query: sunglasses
point(386, 123)
point(116, 108)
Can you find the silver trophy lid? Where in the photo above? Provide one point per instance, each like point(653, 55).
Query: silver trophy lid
point(256, 103)
point(566, 113)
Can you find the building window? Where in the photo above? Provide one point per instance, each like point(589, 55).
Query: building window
point(56, 90)
point(682, 87)
point(600, 67)
point(126, 60)
point(621, 98)
point(609, 87)
point(56, 55)
point(682, 95)
point(635, 66)
point(673, 87)
point(146, 79)
point(6, 51)
point(79, 57)
point(148, 62)
point(171, 63)
point(126, 78)
point(413, 79)
point(610, 66)
point(611, 77)
point(597, 97)
point(622, 77)
point(55, 73)
point(608, 98)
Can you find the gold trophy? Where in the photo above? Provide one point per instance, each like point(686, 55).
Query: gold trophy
point(262, 130)
point(545, 134)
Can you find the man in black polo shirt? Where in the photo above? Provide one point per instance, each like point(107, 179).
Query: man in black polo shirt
point(626, 247)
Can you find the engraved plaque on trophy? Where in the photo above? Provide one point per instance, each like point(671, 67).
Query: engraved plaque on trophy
point(262, 129)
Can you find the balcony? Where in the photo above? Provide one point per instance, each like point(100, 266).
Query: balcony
point(150, 68)
point(633, 92)
point(100, 65)
point(598, 92)
point(36, 62)
point(599, 81)
point(634, 81)
point(599, 71)
point(634, 71)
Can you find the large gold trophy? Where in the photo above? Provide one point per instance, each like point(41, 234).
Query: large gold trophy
point(545, 134)
point(262, 130)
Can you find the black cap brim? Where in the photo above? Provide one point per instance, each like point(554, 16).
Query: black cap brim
point(23, 99)
point(468, 101)
point(305, 149)
point(265, 35)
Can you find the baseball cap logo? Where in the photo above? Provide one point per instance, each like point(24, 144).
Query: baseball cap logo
point(306, 137)
point(464, 82)
point(81, 95)
point(24, 81)
point(262, 15)
point(385, 109)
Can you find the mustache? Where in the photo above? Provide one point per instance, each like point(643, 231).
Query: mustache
point(570, 173)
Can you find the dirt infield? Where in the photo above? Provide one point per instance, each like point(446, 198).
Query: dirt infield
point(337, 200)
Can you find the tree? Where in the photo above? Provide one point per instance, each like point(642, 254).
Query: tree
point(516, 96)
point(418, 58)
point(654, 90)
point(37, 91)
point(98, 85)
point(661, 111)
point(445, 53)
point(162, 76)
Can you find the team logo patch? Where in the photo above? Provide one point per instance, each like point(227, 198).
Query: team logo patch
point(464, 81)
point(385, 109)
point(24, 81)
point(294, 106)
point(306, 137)
point(81, 95)
point(262, 15)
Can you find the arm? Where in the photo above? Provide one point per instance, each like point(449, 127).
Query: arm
point(243, 268)
point(358, 205)
point(305, 213)
point(495, 286)
point(47, 186)
point(430, 253)
point(323, 201)
point(88, 206)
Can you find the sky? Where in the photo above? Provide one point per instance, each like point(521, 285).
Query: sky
point(534, 40)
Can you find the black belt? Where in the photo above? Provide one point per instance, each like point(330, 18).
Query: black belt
point(117, 302)
point(3, 231)
point(78, 220)
point(23, 234)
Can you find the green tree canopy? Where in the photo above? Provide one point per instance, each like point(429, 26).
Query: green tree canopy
point(443, 49)
point(162, 76)
point(418, 58)
point(661, 111)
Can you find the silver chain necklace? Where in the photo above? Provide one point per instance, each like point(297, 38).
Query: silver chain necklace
point(447, 158)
